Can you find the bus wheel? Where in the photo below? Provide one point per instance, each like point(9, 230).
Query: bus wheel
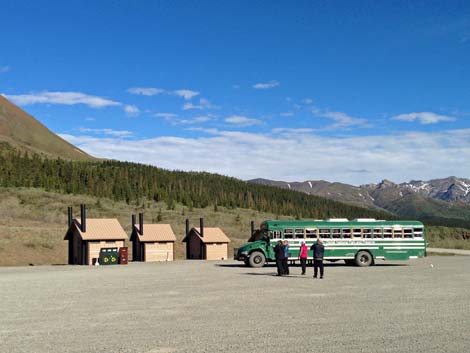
point(257, 259)
point(363, 259)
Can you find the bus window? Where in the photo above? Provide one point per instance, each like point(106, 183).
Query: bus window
point(324, 233)
point(418, 232)
point(299, 233)
point(377, 233)
point(288, 233)
point(408, 233)
point(275, 234)
point(398, 233)
point(311, 233)
point(347, 233)
point(387, 232)
point(367, 233)
point(336, 233)
point(356, 233)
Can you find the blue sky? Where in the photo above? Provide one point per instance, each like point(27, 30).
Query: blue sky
point(335, 90)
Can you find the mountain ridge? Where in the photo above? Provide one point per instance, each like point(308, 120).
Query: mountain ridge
point(25, 133)
point(436, 198)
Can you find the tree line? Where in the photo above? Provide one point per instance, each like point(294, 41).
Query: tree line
point(132, 182)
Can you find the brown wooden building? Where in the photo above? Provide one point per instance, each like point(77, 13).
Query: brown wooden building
point(86, 237)
point(206, 243)
point(152, 242)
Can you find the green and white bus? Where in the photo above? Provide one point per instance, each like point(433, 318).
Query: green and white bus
point(359, 241)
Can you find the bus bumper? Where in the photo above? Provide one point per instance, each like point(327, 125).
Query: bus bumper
point(240, 255)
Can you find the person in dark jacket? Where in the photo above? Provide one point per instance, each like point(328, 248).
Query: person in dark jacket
point(286, 257)
point(279, 254)
point(318, 252)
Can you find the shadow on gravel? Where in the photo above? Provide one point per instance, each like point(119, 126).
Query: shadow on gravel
point(275, 275)
point(311, 266)
point(241, 265)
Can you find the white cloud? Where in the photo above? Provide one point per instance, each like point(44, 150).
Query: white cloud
point(145, 91)
point(191, 106)
point(307, 101)
point(110, 132)
point(312, 155)
point(266, 85)
point(186, 93)
point(203, 104)
point(196, 120)
point(4, 69)
point(286, 130)
point(424, 118)
point(90, 119)
point(341, 120)
point(287, 114)
point(131, 110)
point(165, 115)
point(66, 98)
point(242, 120)
point(70, 98)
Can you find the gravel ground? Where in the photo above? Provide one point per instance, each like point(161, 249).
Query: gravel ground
point(194, 306)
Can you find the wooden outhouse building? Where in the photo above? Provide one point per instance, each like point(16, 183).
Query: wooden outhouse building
point(152, 242)
point(206, 243)
point(86, 237)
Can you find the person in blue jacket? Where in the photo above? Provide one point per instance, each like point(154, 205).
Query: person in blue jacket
point(286, 257)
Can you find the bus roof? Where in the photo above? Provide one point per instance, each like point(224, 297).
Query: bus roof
point(338, 223)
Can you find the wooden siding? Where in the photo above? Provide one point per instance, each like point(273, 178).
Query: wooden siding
point(158, 251)
point(216, 251)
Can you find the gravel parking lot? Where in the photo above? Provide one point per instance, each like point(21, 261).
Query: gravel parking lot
point(194, 306)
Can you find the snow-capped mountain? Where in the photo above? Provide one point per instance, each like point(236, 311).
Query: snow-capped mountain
point(448, 189)
point(443, 198)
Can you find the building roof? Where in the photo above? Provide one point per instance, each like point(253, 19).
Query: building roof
point(100, 229)
point(211, 235)
point(154, 232)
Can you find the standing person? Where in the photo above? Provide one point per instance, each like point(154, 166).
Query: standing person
point(286, 257)
point(303, 257)
point(318, 253)
point(279, 254)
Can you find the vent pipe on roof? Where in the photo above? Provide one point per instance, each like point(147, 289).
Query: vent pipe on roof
point(141, 223)
point(252, 224)
point(133, 221)
point(83, 218)
point(70, 215)
point(187, 240)
point(201, 226)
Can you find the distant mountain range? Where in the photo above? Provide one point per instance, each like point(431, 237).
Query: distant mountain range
point(23, 132)
point(437, 198)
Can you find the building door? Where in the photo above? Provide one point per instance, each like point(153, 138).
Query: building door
point(84, 253)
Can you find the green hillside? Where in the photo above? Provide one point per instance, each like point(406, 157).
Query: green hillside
point(429, 210)
point(25, 133)
point(131, 182)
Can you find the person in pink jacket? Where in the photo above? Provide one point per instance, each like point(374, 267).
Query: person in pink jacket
point(303, 257)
